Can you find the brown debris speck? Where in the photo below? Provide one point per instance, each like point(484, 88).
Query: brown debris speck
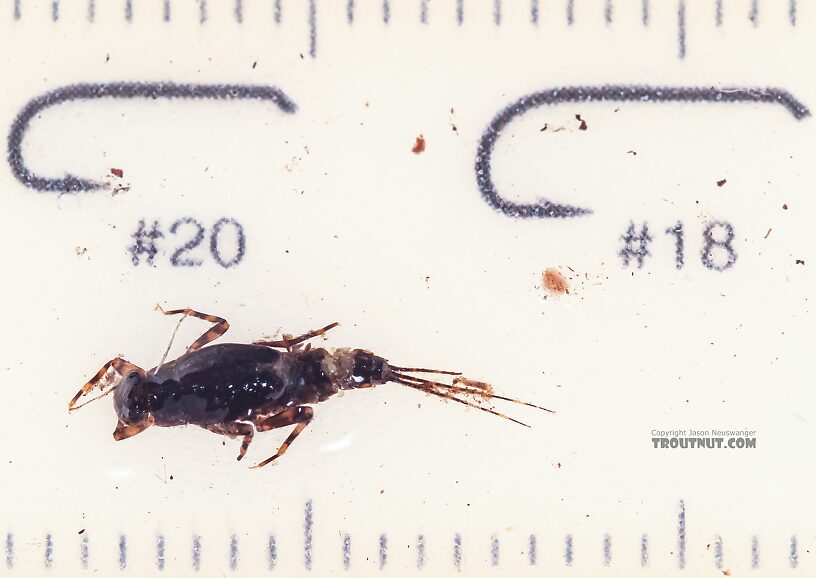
point(118, 173)
point(800, 262)
point(82, 531)
point(583, 125)
point(726, 572)
point(768, 233)
point(785, 206)
point(721, 182)
point(555, 282)
point(419, 145)
point(633, 153)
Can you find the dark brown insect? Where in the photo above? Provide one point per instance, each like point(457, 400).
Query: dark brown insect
point(235, 389)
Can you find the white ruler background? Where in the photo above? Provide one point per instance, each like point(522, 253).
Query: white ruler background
point(343, 222)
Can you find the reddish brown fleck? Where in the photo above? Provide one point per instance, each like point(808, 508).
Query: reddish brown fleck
point(726, 572)
point(785, 206)
point(721, 182)
point(543, 128)
point(767, 234)
point(800, 262)
point(118, 173)
point(419, 145)
point(583, 125)
point(555, 281)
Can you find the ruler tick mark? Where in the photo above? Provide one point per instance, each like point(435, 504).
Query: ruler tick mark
point(9, 550)
point(386, 9)
point(346, 551)
point(460, 11)
point(644, 12)
point(160, 552)
point(494, 550)
point(644, 550)
point(570, 12)
point(794, 554)
point(792, 12)
point(497, 12)
point(568, 550)
point(681, 536)
point(350, 11)
point(307, 536)
point(534, 11)
point(16, 9)
point(681, 29)
point(202, 11)
point(129, 10)
point(718, 552)
point(196, 552)
point(608, 12)
point(239, 11)
point(423, 12)
point(91, 10)
point(55, 10)
point(532, 554)
point(754, 552)
point(166, 11)
point(753, 14)
point(457, 551)
point(383, 550)
point(272, 552)
point(233, 553)
point(420, 551)
point(312, 32)
point(122, 552)
point(607, 550)
point(278, 10)
point(83, 550)
point(49, 551)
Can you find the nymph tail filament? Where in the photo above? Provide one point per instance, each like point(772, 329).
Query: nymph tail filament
point(460, 386)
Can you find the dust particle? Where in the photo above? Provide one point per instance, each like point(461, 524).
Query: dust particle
point(555, 281)
point(633, 153)
point(82, 531)
point(583, 125)
point(80, 250)
point(800, 262)
point(721, 182)
point(726, 572)
point(767, 234)
point(419, 145)
point(785, 206)
point(118, 173)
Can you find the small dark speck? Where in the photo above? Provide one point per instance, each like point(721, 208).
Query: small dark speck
point(634, 153)
point(785, 206)
point(419, 145)
point(583, 125)
point(543, 128)
point(721, 182)
point(82, 531)
point(800, 262)
point(254, 64)
point(171, 478)
point(301, 56)
point(107, 58)
point(117, 172)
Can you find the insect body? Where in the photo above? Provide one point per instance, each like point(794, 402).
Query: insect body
point(237, 389)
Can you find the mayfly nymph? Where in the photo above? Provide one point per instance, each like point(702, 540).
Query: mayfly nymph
point(236, 389)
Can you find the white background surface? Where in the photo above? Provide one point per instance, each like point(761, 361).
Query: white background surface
point(345, 224)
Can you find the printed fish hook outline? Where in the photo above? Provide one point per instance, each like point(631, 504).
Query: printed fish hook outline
point(611, 93)
point(119, 90)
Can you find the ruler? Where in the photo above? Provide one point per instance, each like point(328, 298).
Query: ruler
point(599, 206)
